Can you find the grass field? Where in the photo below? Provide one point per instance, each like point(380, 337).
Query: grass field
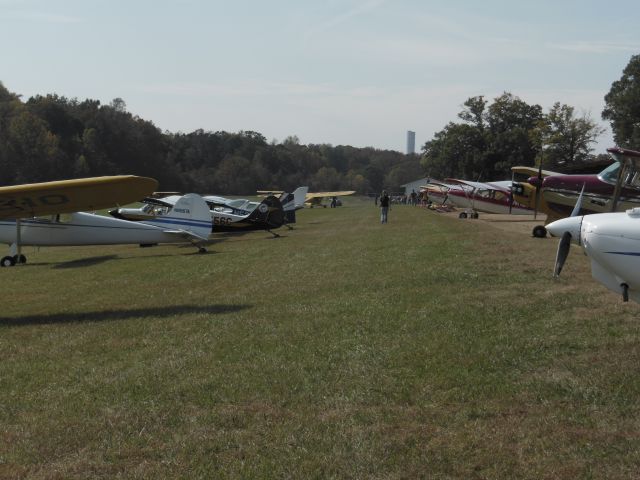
point(429, 347)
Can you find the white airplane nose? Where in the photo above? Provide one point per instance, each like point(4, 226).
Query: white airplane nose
point(569, 224)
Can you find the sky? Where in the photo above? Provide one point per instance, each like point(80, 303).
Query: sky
point(342, 72)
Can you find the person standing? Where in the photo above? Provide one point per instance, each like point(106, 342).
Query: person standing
point(384, 206)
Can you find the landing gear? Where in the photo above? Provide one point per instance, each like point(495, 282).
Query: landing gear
point(202, 250)
point(625, 292)
point(462, 215)
point(475, 215)
point(10, 261)
point(539, 231)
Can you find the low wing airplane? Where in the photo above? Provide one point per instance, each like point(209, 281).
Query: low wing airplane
point(64, 196)
point(612, 243)
point(611, 240)
point(266, 215)
point(188, 220)
point(493, 197)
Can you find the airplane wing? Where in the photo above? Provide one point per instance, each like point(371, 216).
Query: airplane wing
point(469, 183)
point(532, 171)
point(66, 196)
point(329, 194)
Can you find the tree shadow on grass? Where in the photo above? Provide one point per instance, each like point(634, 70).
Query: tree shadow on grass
point(109, 315)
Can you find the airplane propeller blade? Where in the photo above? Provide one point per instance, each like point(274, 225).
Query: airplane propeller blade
point(563, 251)
point(578, 205)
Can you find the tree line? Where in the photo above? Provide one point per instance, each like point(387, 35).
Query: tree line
point(49, 137)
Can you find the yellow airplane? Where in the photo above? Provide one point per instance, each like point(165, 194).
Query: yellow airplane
point(68, 196)
point(312, 199)
point(525, 194)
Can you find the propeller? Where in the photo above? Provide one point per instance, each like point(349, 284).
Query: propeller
point(565, 241)
point(563, 252)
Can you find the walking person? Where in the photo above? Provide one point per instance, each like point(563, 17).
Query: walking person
point(384, 206)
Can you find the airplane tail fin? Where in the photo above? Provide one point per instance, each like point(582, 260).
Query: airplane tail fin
point(270, 212)
point(189, 215)
point(292, 202)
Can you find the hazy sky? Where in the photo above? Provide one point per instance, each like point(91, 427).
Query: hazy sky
point(350, 72)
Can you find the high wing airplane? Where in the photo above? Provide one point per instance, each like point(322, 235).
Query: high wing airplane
point(64, 196)
point(615, 188)
point(315, 199)
point(266, 215)
point(492, 197)
point(188, 220)
point(310, 199)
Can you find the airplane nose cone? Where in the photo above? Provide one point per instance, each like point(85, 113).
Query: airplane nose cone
point(569, 224)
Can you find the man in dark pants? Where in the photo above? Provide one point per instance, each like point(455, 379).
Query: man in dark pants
point(384, 206)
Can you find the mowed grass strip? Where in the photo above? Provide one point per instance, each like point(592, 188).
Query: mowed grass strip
point(428, 347)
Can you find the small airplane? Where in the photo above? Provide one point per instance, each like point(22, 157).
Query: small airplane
point(612, 243)
point(611, 240)
point(615, 188)
point(492, 197)
point(226, 214)
point(188, 220)
point(18, 202)
point(315, 199)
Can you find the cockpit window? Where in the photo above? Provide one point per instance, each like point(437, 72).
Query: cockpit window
point(610, 174)
point(631, 175)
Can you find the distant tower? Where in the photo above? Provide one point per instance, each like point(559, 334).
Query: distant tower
point(411, 142)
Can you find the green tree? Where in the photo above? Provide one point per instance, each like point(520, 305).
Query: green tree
point(567, 138)
point(622, 106)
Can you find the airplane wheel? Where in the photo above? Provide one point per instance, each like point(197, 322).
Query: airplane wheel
point(462, 215)
point(7, 261)
point(202, 250)
point(539, 231)
point(19, 259)
point(475, 215)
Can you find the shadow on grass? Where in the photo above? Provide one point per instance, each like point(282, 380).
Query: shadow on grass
point(108, 315)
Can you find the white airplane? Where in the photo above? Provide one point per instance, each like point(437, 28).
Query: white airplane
point(188, 220)
point(612, 243)
point(493, 197)
point(228, 215)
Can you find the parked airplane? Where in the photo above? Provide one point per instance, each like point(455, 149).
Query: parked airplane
point(267, 215)
point(493, 197)
point(64, 196)
point(311, 199)
point(188, 220)
point(603, 193)
point(612, 243)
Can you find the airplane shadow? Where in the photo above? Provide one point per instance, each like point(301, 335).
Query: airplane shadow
point(109, 315)
point(85, 262)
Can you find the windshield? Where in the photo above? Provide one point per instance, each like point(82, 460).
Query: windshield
point(610, 174)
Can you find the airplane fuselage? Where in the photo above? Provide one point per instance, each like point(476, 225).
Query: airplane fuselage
point(82, 229)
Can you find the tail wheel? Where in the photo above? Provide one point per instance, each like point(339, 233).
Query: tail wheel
point(7, 262)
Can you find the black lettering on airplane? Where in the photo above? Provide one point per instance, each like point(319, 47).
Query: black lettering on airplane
point(27, 203)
